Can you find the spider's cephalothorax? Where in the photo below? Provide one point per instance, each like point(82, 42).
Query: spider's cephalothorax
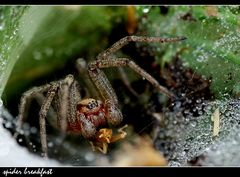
point(92, 114)
point(62, 99)
point(90, 111)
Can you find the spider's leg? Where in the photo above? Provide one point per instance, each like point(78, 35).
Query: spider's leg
point(120, 62)
point(42, 116)
point(101, 82)
point(51, 115)
point(104, 61)
point(25, 103)
point(68, 96)
point(82, 68)
point(126, 82)
point(63, 102)
point(105, 55)
point(124, 41)
point(74, 98)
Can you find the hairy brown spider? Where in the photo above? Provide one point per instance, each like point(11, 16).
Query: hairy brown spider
point(86, 116)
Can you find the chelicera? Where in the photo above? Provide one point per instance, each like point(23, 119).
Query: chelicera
point(86, 117)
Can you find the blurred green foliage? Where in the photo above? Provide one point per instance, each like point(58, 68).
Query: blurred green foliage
point(62, 34)
point(15, 36)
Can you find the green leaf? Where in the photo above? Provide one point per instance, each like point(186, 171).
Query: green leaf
point(17, 27)
point(212, 45)
point(51, 36)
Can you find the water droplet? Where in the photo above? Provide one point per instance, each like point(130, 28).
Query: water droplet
point(33, 130)
point(49, 51)
point(8, 125)
point(200, 112)
point(227, 114)
point(89, 157)
point(26, 126)
point(177, 105)
point(37, 55)
point(50, 144)
point(193, 124)
point(174, 164)
point(21, 132)
point(198, 101)
point(2, 26)
point(146, 10)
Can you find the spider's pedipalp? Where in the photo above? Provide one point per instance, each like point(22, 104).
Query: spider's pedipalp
point(113, 113)
point(88, 129)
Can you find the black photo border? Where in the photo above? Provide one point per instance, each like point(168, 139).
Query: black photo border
point(122, 171)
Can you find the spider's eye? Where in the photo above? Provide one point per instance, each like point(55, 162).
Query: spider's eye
point(92, 104)
point(88, 105)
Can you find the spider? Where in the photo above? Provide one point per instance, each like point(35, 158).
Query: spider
point(85, 116)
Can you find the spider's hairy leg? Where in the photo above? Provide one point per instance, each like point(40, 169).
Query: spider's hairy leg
point(63, 100)
point(51, 115)
point(105, 55)
point(25, 102)
point(42, 116)
point(101, 82)
point(74, 98)
point(120, 62)
point(126, 82)
point(124, 41)
point(82, 68)
point(68, 97)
